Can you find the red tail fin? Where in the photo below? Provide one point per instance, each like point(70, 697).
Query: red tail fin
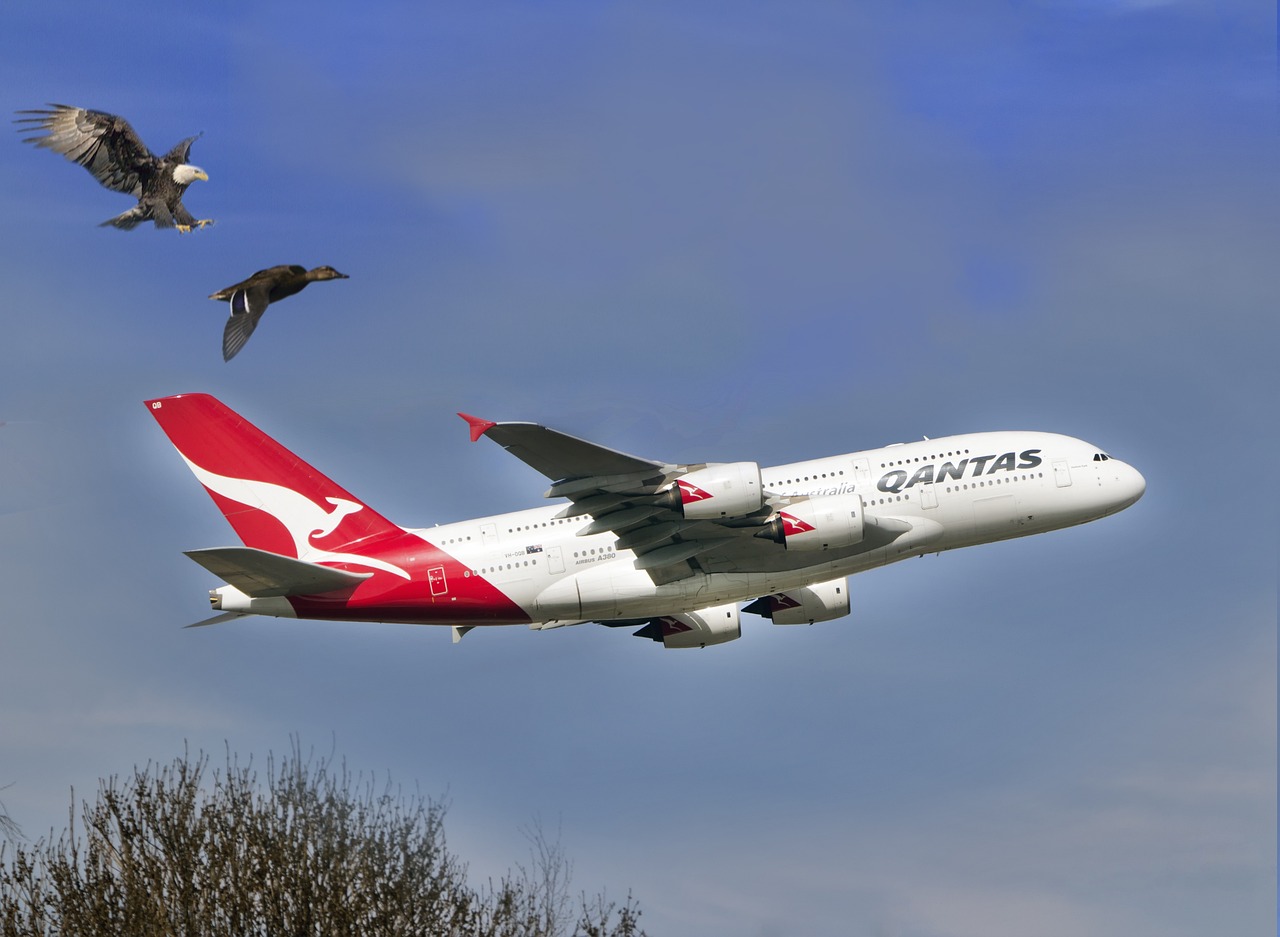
point(274, 500)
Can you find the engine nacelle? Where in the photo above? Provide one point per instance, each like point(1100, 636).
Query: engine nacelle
point(729, 489)
point(823, 522)
point(820, 602)
point(706, 626)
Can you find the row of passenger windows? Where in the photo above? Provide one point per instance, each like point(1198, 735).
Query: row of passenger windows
point(603, 552)
point(925, 458)
point(994, 481)
point(807, 478)
point(555, 521)
point(498, 569)
point(964, 487)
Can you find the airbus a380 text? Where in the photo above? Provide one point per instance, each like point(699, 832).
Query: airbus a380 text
point(670, 549)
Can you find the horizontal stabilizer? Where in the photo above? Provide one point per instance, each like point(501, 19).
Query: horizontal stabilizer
point(258, 573)
point(215, 620)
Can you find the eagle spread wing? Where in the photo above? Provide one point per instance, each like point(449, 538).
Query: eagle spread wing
point(102, 143)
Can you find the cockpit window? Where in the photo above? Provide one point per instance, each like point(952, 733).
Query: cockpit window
point(1100, 457)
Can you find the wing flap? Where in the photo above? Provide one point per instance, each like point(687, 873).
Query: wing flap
point(675, 552)
point(621, 520)
point(259, 574)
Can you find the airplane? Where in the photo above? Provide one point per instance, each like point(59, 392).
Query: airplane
point(671, 549)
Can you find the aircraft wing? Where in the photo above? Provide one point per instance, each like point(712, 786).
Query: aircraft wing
point(658, 510)
point(632, 497)
point(562, 457)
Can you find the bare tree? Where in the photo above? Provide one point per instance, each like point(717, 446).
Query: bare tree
point(309, 850)
point(8, 829)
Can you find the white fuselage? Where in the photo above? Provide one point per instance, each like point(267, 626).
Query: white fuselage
point(955, 491)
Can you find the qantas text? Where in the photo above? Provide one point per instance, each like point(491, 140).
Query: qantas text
point(898, 479)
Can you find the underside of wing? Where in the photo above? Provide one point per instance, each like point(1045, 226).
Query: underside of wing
point(560, 456)
point(247, 306)
point(181, 152)
point(102, 143)
point(259, 574)
point(678, 519)
point(667, 514)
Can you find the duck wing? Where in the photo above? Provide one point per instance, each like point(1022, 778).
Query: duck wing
point(247, 307)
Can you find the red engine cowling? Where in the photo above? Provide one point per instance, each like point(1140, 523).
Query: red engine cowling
point(730, 489)
point(822, 601)
point(823, 522)
point(706, 626)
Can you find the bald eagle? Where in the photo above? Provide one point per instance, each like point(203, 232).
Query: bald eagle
point(249, 299)
point(107, 146)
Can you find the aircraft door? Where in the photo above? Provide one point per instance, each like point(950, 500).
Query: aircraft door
point(1061, 473)
point(555, 561)
point(436, 579)
point(928, 496)
point(488, 534)
point(861, 472)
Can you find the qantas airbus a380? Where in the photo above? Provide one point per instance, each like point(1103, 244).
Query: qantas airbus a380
point(671, 549)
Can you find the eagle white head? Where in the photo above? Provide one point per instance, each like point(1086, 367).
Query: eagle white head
point(185, 174)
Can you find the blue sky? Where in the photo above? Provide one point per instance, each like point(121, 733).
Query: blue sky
point(739, 231)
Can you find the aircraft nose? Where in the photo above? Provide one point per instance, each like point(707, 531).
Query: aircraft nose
point(1130, 485)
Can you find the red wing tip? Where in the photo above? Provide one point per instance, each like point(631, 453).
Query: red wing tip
point(478, 426)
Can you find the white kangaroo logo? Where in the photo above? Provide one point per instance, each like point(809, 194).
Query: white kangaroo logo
point(301, 516)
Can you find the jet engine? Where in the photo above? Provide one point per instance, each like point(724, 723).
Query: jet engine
point(823, 522)
point(822, 601)
point(728, 489)
point(706, 626)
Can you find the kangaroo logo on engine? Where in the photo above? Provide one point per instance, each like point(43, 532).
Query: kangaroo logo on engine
point(689, 492)
point(793, 525)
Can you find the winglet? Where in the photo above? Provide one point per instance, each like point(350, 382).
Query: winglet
point(478, 426)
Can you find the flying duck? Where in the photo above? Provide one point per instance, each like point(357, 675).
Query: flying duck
point(107, 146)
point(250, 298)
